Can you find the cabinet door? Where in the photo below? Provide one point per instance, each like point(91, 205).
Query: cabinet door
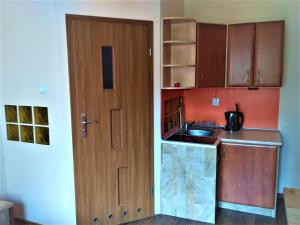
point(240, 55)
point(247, 175)
point(211, 55)
point(268, 54)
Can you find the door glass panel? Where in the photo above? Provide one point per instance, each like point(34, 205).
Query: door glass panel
point(107, 67)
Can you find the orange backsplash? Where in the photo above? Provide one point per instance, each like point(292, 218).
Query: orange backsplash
point(260, 107)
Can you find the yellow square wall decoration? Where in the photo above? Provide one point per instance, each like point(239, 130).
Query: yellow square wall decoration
point(12, 131)
point(41, 115)
point(11, 114)
point(42, 135)
point(27, 134)
point(25, 114)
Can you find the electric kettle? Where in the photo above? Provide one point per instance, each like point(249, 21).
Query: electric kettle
point(234, 119)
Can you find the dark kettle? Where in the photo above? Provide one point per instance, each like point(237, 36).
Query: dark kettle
point(234, 119)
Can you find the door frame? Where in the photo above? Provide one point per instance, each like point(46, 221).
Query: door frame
point(72, 88)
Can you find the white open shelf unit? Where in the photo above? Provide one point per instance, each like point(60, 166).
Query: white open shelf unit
point(178, 48)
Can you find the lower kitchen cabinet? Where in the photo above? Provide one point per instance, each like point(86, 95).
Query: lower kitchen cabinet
point(247, 174)
point(188, 181)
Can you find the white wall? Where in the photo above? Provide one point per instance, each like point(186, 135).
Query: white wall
point(289, 116)
point(2, 180)
point(170, 8)
point(34, 53)
point(3, 217)
point(2, 174)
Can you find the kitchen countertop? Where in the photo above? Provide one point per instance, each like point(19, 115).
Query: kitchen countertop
point(4, 206)
point(252, 136)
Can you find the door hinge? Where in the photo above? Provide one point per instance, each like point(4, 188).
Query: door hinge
point(150, 51)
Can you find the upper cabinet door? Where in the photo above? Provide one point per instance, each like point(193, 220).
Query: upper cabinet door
point(268, 54)
point(240, 55)
point(211, 55)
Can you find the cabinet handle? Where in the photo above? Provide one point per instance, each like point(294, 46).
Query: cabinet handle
point(258, 77)
point(248, 76)
point(201, 76)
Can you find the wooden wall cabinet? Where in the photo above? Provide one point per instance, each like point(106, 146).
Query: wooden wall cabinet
point(211, 55)
point(240, 54)
point(255, 54)
point(268, 57)
point(178, 53)
point(247, 174)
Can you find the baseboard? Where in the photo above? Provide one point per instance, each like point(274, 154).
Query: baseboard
point(20, 221)
point(248, 209)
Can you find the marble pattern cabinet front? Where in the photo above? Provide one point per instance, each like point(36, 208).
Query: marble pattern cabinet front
point(188, 181)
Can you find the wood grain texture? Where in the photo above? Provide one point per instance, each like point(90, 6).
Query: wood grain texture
point(117, 129)
point(247, 174)
point(268, 60)
point(240, 55)
point(211, 55)
point(84, 161)
point(104, 188)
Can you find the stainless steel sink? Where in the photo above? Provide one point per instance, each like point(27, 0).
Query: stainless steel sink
point(199, 133)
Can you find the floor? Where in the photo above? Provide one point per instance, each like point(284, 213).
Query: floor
point(23, 222)
point(224, 217)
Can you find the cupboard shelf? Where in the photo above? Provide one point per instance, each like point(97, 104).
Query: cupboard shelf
point(178, 65)
point(177, 88)
point(179, 42)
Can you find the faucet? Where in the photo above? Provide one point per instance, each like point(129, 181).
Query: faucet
point(187, 125)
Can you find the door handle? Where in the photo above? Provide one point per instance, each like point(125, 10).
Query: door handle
point(88, 122)
point(84, 123)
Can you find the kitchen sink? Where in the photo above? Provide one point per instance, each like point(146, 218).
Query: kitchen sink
point(196, 135)
point(199, 132)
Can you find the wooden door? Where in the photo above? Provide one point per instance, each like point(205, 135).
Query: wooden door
point(269, 41)
point(211, 55)
point(111, 82)
point(240, 55)
point(247, 175)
